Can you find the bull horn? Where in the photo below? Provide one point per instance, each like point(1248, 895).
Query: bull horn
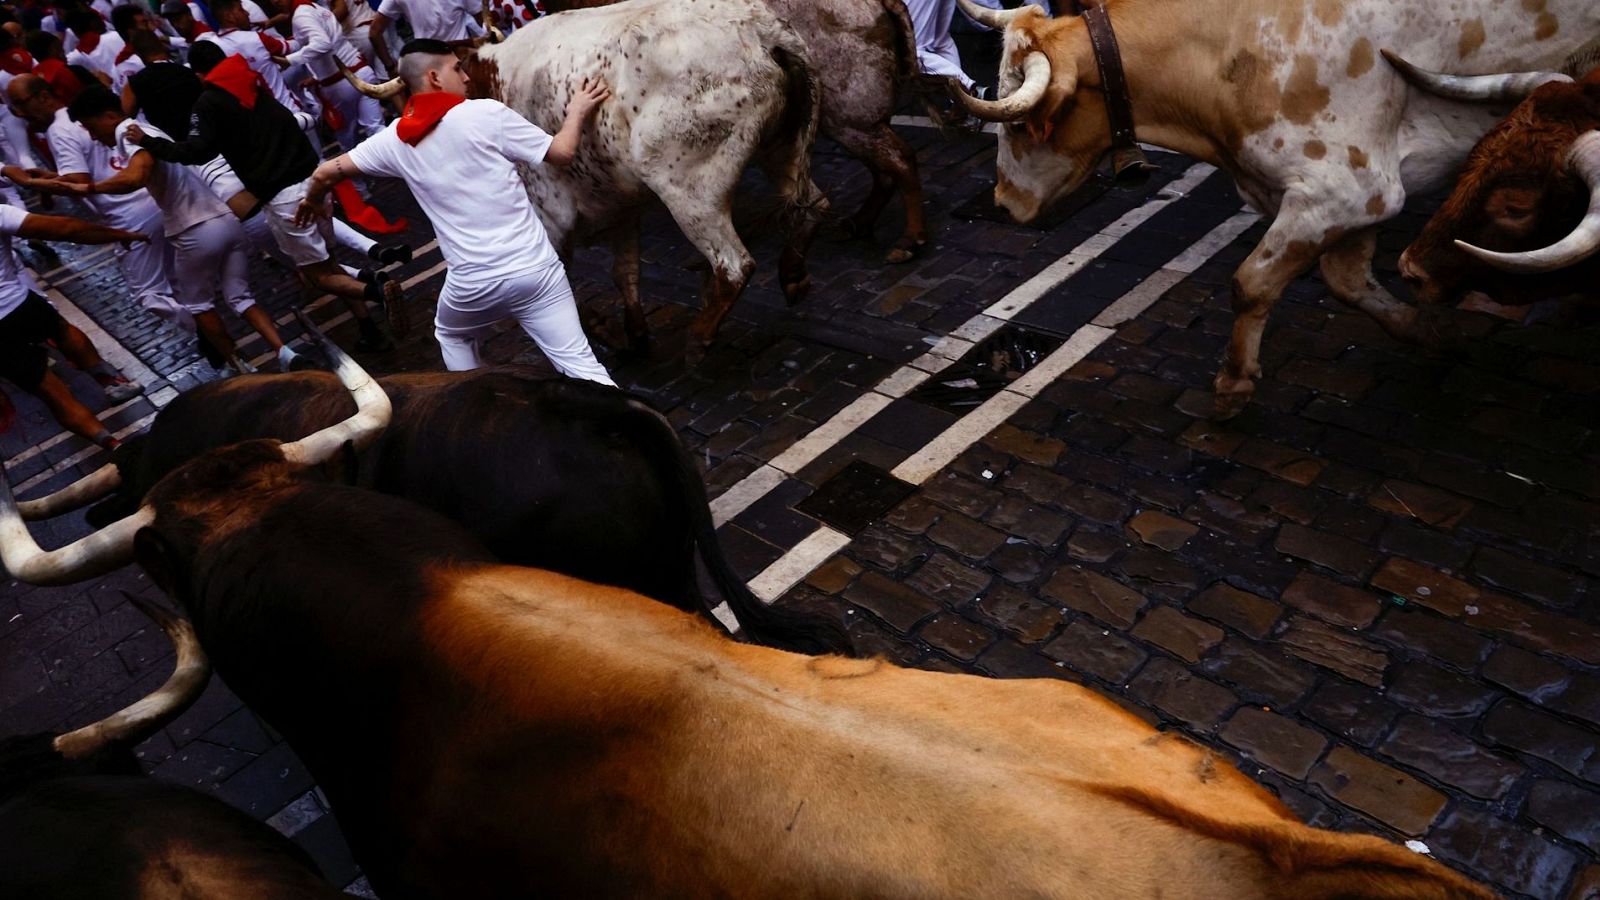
point(378, 91)
point(1584, 160)
point(994, 18)
point(134, 723)
point(1503, 87)
point(1035, 80)
point(361, 429)
point(496, 36)
point(109, 548)
point(82, 492)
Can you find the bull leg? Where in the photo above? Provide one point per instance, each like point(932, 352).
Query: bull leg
point(893, 164)
point(703, 216)
point(625, 274)
point(1347, 269)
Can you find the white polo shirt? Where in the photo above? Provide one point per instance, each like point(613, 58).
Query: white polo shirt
point(183, 196)
point(464, 177)
point(444, 20)
point(14, 282)
point(75, 151)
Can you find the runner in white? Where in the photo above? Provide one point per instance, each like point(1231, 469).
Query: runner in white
point(208, 244)
point(322, 48)
point(145, 266)
point(459, 158)
point(257, 47)
point(441, 20)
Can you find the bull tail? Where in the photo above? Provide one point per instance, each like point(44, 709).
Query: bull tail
point(905, 40)
point(759, 623)
point(797, 130)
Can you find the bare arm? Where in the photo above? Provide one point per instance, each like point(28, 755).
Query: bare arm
point(75, 231)
point(130, 103)
point(134, 177)
point(564, 146)
point(380, 47)
point(328, 174)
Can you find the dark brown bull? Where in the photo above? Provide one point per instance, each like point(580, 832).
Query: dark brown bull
point(548, 472)
point(1523, 222)
point(486, 731)
point(79, 822)
point(864, 52)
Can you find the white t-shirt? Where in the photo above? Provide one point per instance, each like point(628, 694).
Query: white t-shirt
point(258, 16)
point(258, 49)
point(75, 151)
point(322, 42)
point(182, 194)
point(464, 177)
point(104, 57)
point(14, 283)
point(444, 20)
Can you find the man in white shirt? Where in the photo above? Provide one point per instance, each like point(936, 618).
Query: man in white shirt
point(96, 48)
point(459, 158)
point(146, 265)
point(28, 322)
point(323, 48)
point(257, 47)
point(451, 21)
point(208, 243)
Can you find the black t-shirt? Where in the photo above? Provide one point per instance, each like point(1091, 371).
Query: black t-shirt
point(166, 92)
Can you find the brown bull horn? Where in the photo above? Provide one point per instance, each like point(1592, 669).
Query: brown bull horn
point(1013, 106)
point(1584, 161)
point(106, 549)
point(994, 18)
point(134, 723)
point(82, 492)
point(1502, 87)
point(361, 429)
point(380, 91)
point(496, 36)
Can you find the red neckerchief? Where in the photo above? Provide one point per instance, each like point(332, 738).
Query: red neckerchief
point(16, 61)
point(300, 3)
point(87, 42)
point(123, 54)
point(201, 28)
point(423, 113)
point(235, 76)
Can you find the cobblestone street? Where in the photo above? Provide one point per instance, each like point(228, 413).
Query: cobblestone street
point(1376, 591)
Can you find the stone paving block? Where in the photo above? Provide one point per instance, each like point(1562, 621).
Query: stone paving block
point(1161, 530)
point(1379, 791)
point(1426, 586)
point(896, 604)
point(1089, 592)
point(1331, 601)
point(834, 575)
point(1028, 618)
point(268, 783)
point(956, 636)
point(1450, 757)
point(1274, 741)
point(1522, 728)
point(947, 582)
point(1568, 810)
point(1526, 578)
point(1341, 555)
point(1090, 649)
point(1455, 645)
point(965, 536)
point(1177, 633)
point(1513, 858)
point(1025, 519)
point(1260, 672)
point(1249, 613)
point(1172, 689)
point(1335, 650)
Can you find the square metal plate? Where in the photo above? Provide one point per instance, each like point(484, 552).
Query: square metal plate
point(859, 495)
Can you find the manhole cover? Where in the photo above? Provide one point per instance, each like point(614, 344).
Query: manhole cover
point(859, 495)
point(987, 368)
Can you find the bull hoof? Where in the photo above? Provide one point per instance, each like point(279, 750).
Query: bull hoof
point(904, 251)
point(694, 352)
point(1232, 395)
point(795, 291)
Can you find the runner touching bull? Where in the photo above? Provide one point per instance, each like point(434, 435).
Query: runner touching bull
point(459, 159)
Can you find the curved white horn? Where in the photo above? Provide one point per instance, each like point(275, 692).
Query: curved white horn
point(496, 36)
point(380, 91)
point(1505, 86)
point(372, 407)
point(138, 721)
point(109, 548)
point(1035, 80)
point(82, 492)
point(994, 18)
point(1584, 160)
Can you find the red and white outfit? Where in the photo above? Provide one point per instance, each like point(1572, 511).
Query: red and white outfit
point(322, 48)
point(258, 48)
point(459, 158)
point(146, 267)
point(98, 53)
point(208, 245)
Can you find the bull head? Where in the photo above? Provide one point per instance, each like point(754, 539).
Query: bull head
point(112, 546)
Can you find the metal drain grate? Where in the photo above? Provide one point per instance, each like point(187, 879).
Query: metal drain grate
point(859, 495)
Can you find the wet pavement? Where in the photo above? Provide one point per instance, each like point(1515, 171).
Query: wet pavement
point(1375, 591)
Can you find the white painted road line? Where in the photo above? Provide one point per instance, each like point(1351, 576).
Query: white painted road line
point(111, 350)
point(815, 549)
point(946, 351)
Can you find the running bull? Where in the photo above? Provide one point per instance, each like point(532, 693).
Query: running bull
point(556, 473)
point(1291, 99)
point(1523, 223)
point(864, 51)
point(486, 731)
point(700, 89)
point(78, 820)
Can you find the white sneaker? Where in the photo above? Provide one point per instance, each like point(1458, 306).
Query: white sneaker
point(125, 390)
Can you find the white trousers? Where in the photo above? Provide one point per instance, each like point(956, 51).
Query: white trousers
point(363, 115)
point(209, 256)
point(936, 52)
point(539, 299)
point(146, 266)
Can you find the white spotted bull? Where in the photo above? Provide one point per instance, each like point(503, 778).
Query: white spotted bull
point(700, 90)
point(1291, 98)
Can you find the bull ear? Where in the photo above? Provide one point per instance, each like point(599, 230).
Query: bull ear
point(1042, 119)
point(154, 555)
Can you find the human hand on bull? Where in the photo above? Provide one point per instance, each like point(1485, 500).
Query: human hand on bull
point(590, 94)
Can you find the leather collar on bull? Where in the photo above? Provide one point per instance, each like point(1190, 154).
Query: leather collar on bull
point(1128, 162)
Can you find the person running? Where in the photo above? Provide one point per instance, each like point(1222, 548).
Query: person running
point(207, 243)
point(28, 322)
point(237, 118)
point(459, 158)
point(452, 21)
point(323, 49)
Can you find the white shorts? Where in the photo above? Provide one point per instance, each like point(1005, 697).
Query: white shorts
point(211, 255)
point(306, 245)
